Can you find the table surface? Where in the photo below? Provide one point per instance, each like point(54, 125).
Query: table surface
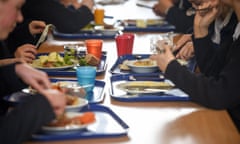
point(153, 122)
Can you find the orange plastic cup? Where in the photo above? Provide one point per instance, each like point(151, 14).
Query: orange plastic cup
point(99, 16)
point(94, 47)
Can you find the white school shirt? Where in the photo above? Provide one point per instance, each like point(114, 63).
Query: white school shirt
point(219, 25)
point(237, 32)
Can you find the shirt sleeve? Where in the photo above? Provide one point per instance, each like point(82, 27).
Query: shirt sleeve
point(214, 92)
point(24, 120)
point(10, 82)
point(52, 12)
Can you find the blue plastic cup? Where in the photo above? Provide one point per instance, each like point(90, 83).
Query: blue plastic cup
point(86, 77)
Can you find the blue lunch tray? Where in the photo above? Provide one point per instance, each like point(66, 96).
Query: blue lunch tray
point(108, 124)
point(120, 95)
point(98, 90)
point(82, 35)
point(98, 93)
point(160, 28)
point(116, 70)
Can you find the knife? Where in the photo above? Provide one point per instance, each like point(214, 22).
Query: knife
point(143, 5)
point(44, 35)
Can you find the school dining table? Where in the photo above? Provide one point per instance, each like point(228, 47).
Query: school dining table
point(168, 122)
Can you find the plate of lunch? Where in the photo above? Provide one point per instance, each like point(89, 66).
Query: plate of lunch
point(109, 29)
point(75, 94)
point(52, 61)
point(144, 87)
point(70, 122)
point(75, 103)
point(142, 66)
point(147, 22)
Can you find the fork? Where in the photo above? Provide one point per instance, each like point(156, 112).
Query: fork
point(44, 35)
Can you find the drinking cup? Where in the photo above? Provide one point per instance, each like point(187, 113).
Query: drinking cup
point(86, 77)
point(131, 42)
point(159, 41)
point(94, 47)
point(99, 16)
point(124, 43)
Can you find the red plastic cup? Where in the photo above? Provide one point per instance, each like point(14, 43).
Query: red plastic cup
point(131, 42)
point(94, 47)
point(124, 43)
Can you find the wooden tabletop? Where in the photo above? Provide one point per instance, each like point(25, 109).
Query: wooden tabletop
point(155, 122)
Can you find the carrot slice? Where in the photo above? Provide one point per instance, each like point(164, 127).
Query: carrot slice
point(87, 117)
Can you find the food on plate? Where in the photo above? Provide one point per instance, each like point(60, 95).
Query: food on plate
point(144, 62)
point(71, 100)
point(150, 84)
point(82, 59)
point(144, 22)
point(127, 64)
point(87, 117)
point(72, 92)
point(108, 29)
point(91, 27)
point(92, 60)
point(88, 27)
point(145, 86)
point(51, 60)
point(141, 23)
point(107, 26)
point(143, 66)
point(155, 22)
point(123, 65)
point(64, 120)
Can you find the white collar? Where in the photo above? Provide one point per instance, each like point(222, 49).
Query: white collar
point(219, 24)
point(237, 31)
point(223, 23)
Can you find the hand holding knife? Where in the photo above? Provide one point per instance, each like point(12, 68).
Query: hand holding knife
point(44, 34)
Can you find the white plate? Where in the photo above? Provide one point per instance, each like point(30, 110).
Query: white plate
point(142, 68)
point(76, 107)
point(136, 87)
point(36, 64)
point(111, 31)
point(68, 129)
point(147, 22)
point(81, 102)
